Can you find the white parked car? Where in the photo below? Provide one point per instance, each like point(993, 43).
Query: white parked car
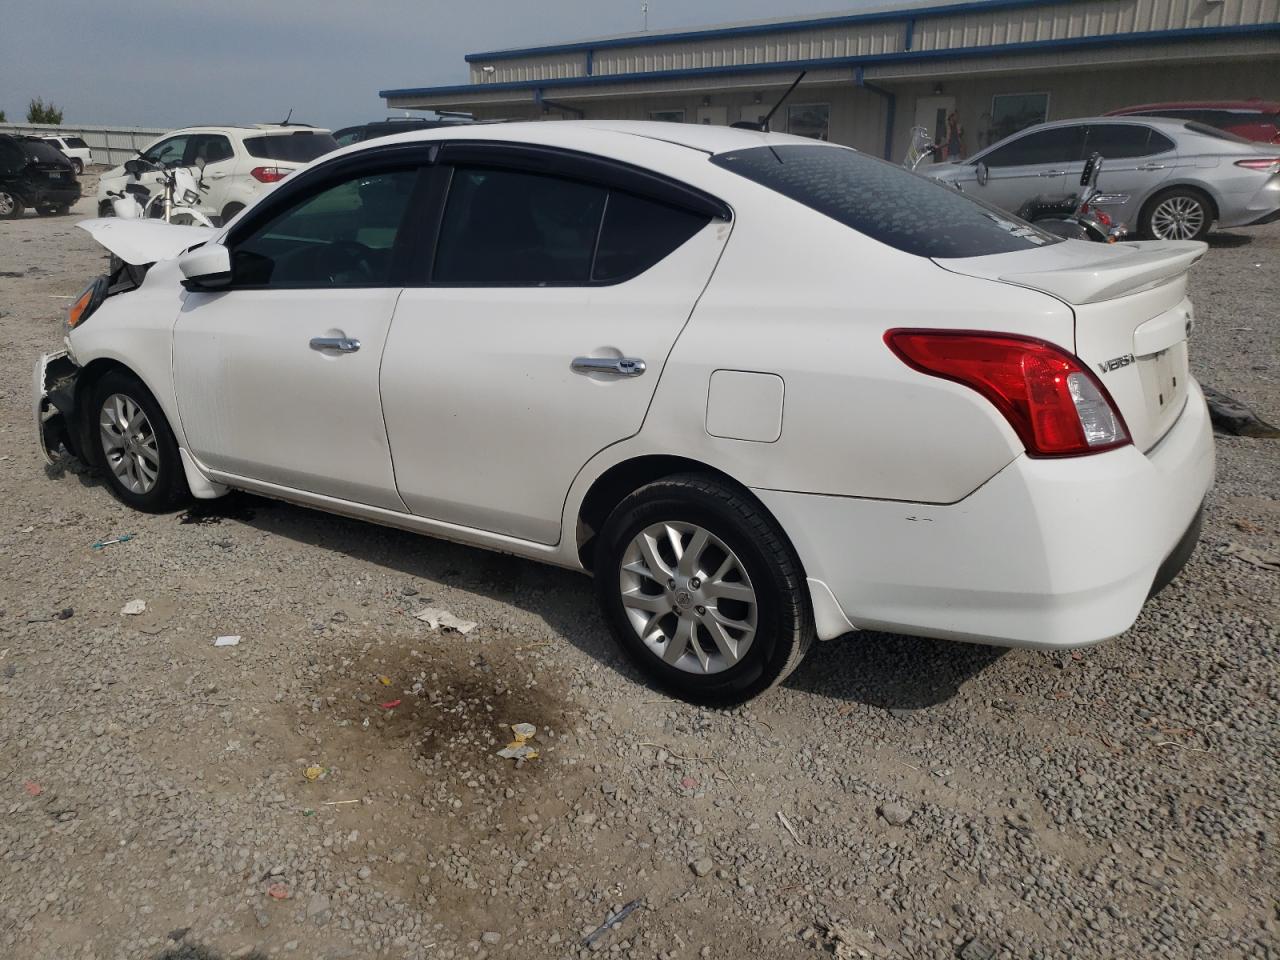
point(766, 389)
point(240, 163)
point(74, 149)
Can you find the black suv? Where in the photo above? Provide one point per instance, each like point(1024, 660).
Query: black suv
point(34, 174)
point(385, 128)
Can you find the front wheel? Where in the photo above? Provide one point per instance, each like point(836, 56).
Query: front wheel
point(134, 445)
point(1177, 214)
point(702, 590)
point(78, 164)
point(10, 206)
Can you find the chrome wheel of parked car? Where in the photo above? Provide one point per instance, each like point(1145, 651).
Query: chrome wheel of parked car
point(1179, 216)
point(129, 443)
point(10, 205)
point(688, 597)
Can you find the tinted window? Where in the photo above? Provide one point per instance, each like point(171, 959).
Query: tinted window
point(43, 152)
point(11, 158)
point(506, 226)
point(342, 236)
point(1057, 145)
point(290, 147)
point(211, 146)
point(76, 143)
point(882, 200)
point(349, 137)
point(1209, 131)
point(637, 233)
point(168, 152)
point(1116, 140)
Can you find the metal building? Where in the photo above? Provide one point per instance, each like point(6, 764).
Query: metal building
point(970, 72)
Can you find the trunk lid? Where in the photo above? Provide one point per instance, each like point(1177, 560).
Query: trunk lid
point(1132, 317)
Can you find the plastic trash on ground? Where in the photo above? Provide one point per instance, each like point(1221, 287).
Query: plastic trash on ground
point(519, 748)
point(436, 618)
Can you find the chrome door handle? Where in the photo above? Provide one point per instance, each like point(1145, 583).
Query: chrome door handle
point(1052, 173)
point(615, 366)
point(1152, 166)
point(341, 344)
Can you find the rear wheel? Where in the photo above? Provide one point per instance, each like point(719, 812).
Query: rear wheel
point(78, 164)
point(1181, 213)
point(134, 445)
point(56, 211)
point(10, 206)
point(702, 590)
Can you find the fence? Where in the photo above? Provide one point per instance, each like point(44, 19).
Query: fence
point(110, 145)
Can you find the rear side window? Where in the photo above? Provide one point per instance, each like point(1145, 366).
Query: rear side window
point(637, 233)
point(212, 147)
point(1056, 145)
point(11, 158)
point(1117, 140)
point(290, 147)
point(1209, 131)
point(76, 143)
point(907, 211)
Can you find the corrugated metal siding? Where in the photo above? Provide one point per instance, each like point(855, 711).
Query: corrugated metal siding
point(977, 28)
point(109, 145)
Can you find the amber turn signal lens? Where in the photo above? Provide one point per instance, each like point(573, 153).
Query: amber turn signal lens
point(76, 312)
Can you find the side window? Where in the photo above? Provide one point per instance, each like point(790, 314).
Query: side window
point(342, 236)
point(12, 159)
point(637, 233)
point(511, 227)
point(1118, 140)
point(1057, 145)
point(213, 147)
point(352, 136)
point(167, 152)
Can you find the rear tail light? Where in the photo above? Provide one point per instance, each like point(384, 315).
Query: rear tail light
point(1261, 163)
point(1053, 402)
point(269, 174)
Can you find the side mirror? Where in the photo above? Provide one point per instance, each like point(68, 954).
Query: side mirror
point(135, 167)
point(207, 267)
point(983, 174)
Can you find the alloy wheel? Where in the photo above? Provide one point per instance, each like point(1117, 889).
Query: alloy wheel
point(688, 597)
point(1177, 218)
point(129, 443)
point(6, 204)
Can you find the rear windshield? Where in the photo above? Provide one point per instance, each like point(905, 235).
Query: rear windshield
point(886, 202)
point(1209, 131)
point(42, 152)
point(292, 147)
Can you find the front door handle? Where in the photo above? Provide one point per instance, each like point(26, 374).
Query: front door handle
point(1152, 166)
point(614, 366)
point(341, 344)
point(1052, 173)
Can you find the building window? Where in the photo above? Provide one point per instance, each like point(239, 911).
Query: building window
point(667, 116)
point(1011, 112)
point(809, 120)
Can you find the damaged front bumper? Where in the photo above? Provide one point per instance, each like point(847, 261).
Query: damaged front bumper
point(54, 404)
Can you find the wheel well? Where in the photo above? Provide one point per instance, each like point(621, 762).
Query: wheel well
point(231, 209)
point(622, 479)
point(90, 374)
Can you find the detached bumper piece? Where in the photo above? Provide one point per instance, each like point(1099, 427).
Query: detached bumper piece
point(53, 403)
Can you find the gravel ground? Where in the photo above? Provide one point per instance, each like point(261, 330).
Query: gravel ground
point(898, 797)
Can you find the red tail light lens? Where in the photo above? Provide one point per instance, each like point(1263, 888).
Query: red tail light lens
point(1053, 402)
point(269, 174)
point(1261, 163)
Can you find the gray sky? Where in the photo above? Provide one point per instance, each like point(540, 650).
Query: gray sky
point(179, 62)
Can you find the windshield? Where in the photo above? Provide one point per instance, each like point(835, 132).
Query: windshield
point(299, 147)
point(905, 210)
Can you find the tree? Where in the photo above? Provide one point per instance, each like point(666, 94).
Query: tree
point(38, 112)
point(2, 119)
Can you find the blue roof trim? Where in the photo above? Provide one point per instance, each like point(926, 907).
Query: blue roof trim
point(716, 33)
point(1110, 40)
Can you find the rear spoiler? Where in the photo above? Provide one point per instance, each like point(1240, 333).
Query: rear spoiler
point(1123, 268)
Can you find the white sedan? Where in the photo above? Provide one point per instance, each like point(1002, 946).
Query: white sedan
point(765, 389)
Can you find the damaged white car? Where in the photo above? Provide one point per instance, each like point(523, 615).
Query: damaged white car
point(767, 390)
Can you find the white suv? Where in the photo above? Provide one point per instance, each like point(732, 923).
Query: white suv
point(74, 149)
point(239, 162)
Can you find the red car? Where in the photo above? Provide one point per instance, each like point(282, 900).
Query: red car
point(1252, 119)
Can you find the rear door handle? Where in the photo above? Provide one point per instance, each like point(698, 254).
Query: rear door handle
point(1052, 173)
point(341, 344)
point(614, 366)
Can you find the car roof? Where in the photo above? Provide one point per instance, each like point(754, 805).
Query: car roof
point(581, 133)
point(247, 128)
point(1252, 106)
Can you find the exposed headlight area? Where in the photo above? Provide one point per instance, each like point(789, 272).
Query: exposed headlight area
point(88, 301)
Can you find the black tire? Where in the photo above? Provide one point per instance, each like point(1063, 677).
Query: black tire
point(52, 211)
point(78, 164)
point(11, 205)
point(784, 618)
point(229, 211)
point(1190, 196)
point(170, 487)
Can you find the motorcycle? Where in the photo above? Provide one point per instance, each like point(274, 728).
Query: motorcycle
point(1074, 217)
point(175, 203)
point(920, 149)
